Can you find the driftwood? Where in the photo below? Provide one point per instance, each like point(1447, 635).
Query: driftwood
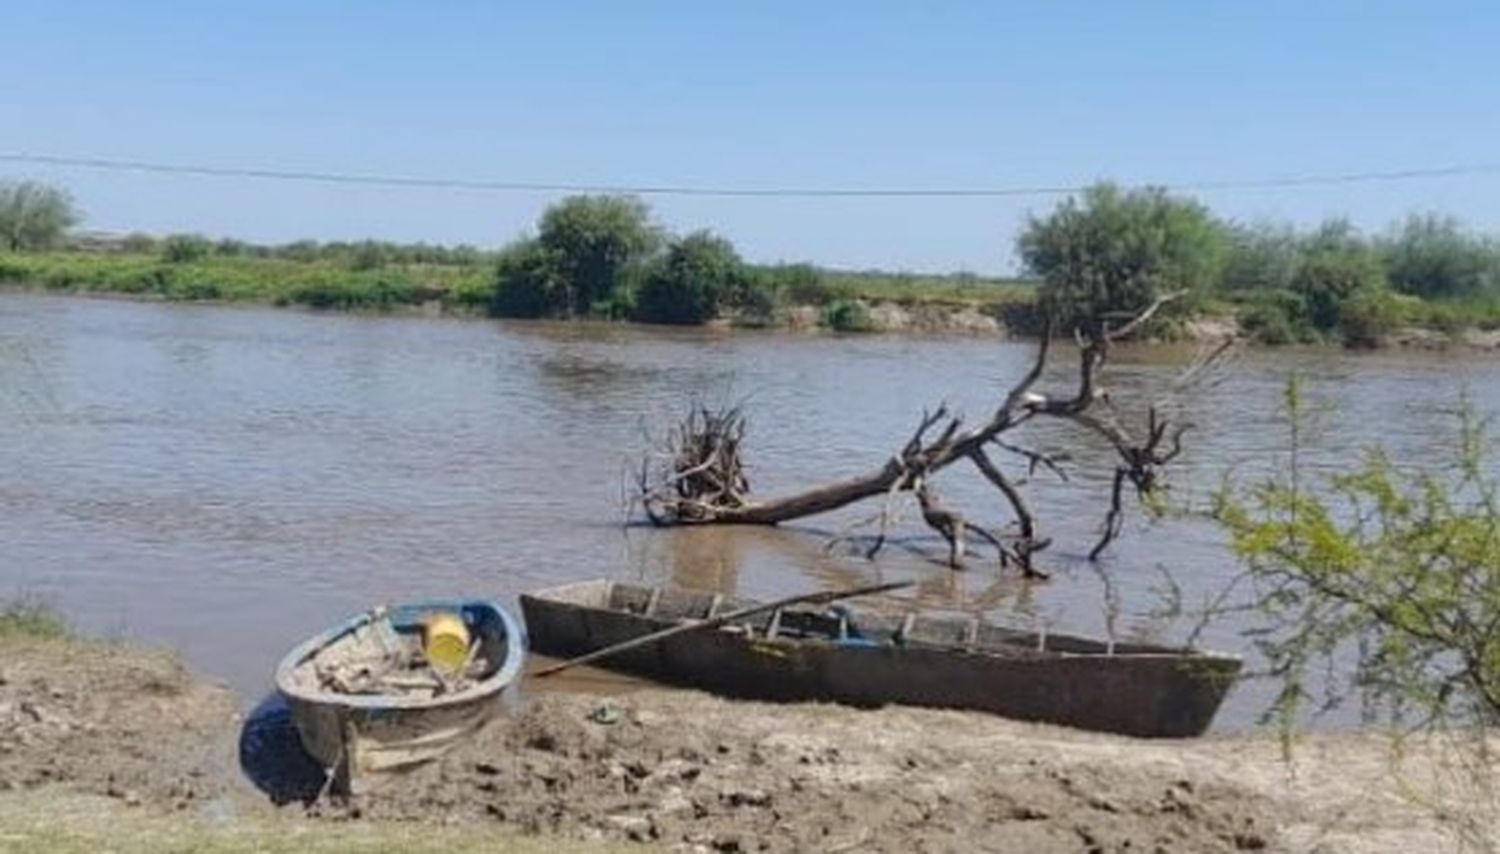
point(698, 477)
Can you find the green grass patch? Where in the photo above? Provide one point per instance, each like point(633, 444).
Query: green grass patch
point(28, 618)
point(278, 281)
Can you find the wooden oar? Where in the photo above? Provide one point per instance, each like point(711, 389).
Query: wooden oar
point(684, 628)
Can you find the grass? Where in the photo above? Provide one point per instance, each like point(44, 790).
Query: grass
point(1452, 315)
point(53, 820)
point(30, 619)
point(278, 281)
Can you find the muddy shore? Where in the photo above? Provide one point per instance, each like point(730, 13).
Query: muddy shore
point(688, 771)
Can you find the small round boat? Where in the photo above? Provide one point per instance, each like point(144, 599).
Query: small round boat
point(367, 703)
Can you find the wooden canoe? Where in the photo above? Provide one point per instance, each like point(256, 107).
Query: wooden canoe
point(863, 659)
point(361, 737)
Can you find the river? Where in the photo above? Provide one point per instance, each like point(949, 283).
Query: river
point(227, 480)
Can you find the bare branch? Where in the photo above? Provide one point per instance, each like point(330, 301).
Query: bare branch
point(1037, 458)
point(1114, 521)
point(1142, 318)
point(698, 476)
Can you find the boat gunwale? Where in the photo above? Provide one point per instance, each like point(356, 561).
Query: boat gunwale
point(504, 675)
point(993, 651)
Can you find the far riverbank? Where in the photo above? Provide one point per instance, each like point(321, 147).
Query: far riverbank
point(460, 292)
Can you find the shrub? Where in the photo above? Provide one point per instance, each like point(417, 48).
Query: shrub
point(1260, 258)
point(346, 293)
point(526, 281)
point(1368, 316)
point(368, 255)
point(139, 243)
point(1389, 573)
point(231, 248)
point(1432, 257)
point(801, 284)
point(847, 315)
point(1336, 265)
point(471, 293)
point(185, 248)
point(700, 276)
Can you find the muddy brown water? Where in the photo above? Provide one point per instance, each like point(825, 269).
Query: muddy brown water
point(228, 480)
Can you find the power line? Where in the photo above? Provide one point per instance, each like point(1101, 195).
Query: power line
point(675, 190)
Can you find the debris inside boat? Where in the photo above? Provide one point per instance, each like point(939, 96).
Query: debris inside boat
point(379, 660)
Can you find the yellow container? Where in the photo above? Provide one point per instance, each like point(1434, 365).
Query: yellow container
point(445, 640)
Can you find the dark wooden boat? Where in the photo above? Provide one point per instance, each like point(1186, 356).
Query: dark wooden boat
point(862, 659)
point(366, 705)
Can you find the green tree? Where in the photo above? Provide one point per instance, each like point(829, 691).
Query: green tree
point(1432, 257)
point(527, 283)
point(1112, 252)
point(597, 244)
point(33, 215)
point(699, 276)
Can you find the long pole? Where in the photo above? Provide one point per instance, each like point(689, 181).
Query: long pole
point(684, 628)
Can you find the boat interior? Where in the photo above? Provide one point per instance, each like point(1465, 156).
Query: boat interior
point(842, 624)
point(384, 653)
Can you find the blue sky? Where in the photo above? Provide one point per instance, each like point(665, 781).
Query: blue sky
point(754, 95)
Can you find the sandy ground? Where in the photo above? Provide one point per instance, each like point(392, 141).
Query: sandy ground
point(108, 743)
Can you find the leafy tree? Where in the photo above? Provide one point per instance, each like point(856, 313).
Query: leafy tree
point(597, 243)
point(1432, 257)
point(699, 277)
point(1112, 252)
point(527, 281)
point(33, 215)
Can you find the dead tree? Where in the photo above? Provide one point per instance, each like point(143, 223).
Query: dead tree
point(697, 477)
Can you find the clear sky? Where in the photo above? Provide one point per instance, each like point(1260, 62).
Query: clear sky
point(850, 94)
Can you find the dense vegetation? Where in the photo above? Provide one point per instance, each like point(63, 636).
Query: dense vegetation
point(1105, 254)
point(603, 256)
point(1113, 251)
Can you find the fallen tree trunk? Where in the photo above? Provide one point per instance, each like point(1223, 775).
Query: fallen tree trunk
point(698, 478)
